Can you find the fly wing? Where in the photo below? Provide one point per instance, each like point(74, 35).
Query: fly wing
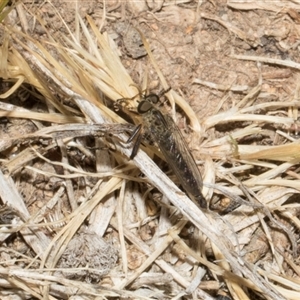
point(177, 154)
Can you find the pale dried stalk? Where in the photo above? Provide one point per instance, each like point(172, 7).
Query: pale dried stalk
point(275, 6)
point(273, 61)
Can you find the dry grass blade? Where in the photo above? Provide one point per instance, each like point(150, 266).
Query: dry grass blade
point(267, 5)
point(4, 10)
point(282, 153)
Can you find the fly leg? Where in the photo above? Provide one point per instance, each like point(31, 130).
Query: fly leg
point(164, 91)
point(137, 135)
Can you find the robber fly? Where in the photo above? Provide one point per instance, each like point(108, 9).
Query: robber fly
point(170, 141)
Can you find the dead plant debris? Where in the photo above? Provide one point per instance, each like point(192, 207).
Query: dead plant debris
point(80, 219)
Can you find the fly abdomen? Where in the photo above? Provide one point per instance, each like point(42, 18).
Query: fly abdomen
point(172, 145)
point(189, 176)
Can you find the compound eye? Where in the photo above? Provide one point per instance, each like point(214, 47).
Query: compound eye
point(153, 98)
point(144, 106)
